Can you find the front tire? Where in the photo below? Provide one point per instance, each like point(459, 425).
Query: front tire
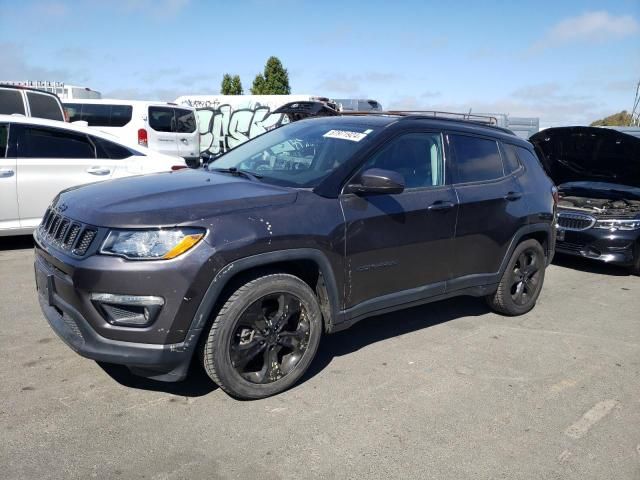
point(264, 337)
point(521, 281)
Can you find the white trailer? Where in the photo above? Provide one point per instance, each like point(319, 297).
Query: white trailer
point(226, 121)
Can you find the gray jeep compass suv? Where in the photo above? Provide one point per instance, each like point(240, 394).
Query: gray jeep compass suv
point(301, 231)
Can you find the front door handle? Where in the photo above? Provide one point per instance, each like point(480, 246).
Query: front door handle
point(511, 196)
point(6, 172)
point(184, 140)
point(98, 170)
point(440, 205)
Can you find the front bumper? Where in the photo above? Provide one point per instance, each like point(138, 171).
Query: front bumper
point(162, 362)
point(611, 247)
point(161, 350)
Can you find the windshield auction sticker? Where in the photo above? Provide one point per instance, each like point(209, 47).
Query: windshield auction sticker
point(345, 135)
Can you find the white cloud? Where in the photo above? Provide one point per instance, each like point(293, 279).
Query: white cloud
point(589, 27)
point(14, 65)
point(550, 102)
point(354, 85)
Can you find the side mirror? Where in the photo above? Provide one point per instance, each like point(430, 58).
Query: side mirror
point(377, 181)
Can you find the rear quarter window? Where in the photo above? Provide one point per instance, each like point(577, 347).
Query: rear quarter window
point(529, 158)
point(11, 102)
point(44, 106)
point(511, 158)
point(107, 149)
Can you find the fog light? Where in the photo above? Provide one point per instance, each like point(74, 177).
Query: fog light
point(128, 310)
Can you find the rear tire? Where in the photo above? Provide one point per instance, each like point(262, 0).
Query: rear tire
point(264, 337)
point(635, 268)
point(521, 281)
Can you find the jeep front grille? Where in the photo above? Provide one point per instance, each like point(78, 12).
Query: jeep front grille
point(66, 234)
point(575, 221)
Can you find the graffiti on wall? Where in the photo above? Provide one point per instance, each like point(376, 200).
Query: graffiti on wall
point(222, 127)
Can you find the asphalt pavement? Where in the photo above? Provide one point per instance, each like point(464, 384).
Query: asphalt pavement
point(443, 391)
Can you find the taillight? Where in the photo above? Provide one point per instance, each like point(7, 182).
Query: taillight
point(143, 139)
point(178, 167)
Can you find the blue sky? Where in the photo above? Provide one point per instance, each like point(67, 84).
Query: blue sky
point(568, 62)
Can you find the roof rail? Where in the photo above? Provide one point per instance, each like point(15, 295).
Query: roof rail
point(469, 117)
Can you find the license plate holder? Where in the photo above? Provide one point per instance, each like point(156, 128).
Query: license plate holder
point(45, 285)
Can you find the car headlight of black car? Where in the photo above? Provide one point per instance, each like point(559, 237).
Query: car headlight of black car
point(618, 224)
point(156, 244)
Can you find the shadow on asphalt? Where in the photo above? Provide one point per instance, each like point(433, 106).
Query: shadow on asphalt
point(364, 333)
point(383, 327)
point(589, 266)
point(196, 384)
point(20, 242)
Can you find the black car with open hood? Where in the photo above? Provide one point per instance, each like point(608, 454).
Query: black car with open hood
point(597, 171)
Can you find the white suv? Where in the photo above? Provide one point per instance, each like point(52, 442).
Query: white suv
point(164, 127)
point(30, 102)
point(39, 158)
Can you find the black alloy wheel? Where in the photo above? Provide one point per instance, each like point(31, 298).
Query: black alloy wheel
point(270, 338)
point(264, 337)
point(521, 281)
point(526, 275)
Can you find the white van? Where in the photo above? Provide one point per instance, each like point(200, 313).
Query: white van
point(164, 127)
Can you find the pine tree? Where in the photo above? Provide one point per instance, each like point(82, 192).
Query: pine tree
point(274, 80)
point(236, 86)
point(258, 87)
point(231, 85)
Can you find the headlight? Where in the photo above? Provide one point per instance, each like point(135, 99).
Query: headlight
point(151, 244)
point(614, 224)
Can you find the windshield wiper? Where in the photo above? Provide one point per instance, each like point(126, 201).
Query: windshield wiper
point(237, 172)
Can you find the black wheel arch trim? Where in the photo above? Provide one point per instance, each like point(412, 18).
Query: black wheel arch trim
point(225, 274)
point(546, 228)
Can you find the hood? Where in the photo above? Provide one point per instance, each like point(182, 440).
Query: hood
point(167, 199)
point(575, 154)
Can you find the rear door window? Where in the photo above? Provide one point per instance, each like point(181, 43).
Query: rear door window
point(161, 119)
point(11, 102)
point(44, 106)
point(477, 159)
point(185, 121)
point(37, 142)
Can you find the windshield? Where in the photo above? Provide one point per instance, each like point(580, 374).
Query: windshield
point(300, 154)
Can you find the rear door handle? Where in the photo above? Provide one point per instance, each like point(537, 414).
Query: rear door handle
point(511, 196)
point(99, 170)
point(440, 205)
point(6, 172)
point(184, 140)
